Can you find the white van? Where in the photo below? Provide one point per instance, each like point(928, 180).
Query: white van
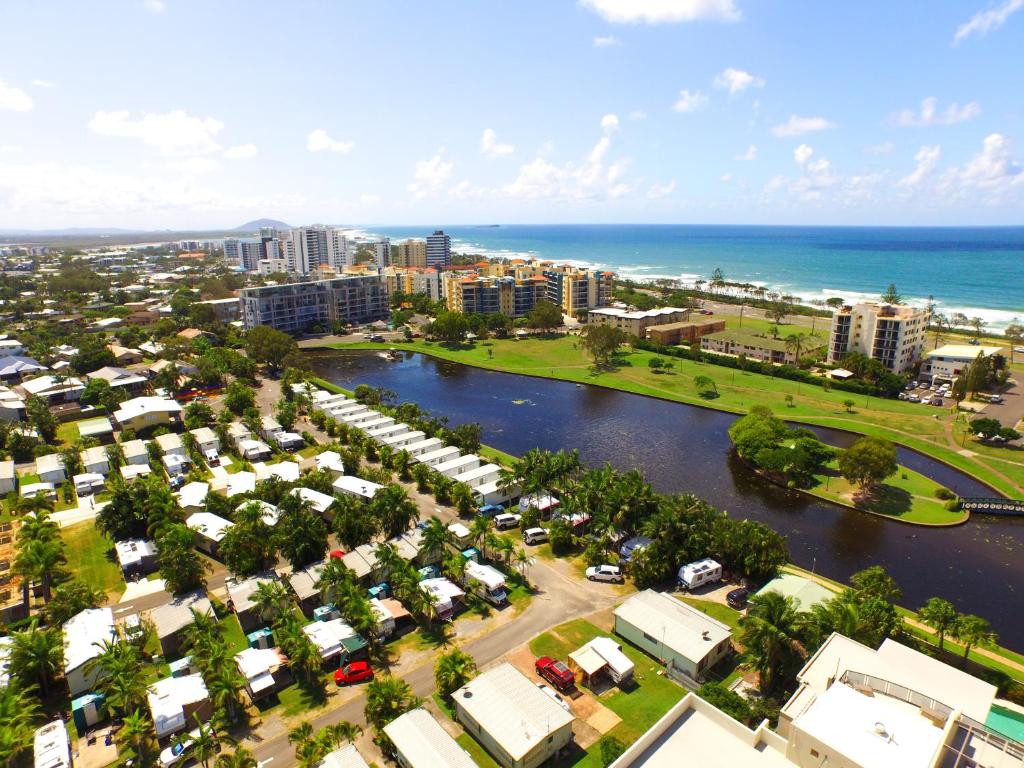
point(535, 535)
point(694, 575)
point(507, 520)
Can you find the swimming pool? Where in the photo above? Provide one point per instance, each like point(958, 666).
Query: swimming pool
point(1007, 722)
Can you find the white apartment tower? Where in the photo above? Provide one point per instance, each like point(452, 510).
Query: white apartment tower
point(892, 335)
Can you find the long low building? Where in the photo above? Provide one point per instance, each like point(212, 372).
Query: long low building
point(298, 307)
point(421, 742)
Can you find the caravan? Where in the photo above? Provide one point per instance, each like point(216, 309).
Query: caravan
point(490, 582)
point(698, 574)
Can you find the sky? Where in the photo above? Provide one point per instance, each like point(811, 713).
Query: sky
point(189, 114)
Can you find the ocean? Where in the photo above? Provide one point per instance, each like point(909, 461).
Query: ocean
point(975, 271)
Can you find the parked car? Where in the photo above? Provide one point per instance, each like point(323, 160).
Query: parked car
point(927, 400)
point(996, 399)
point(551, 692)
point(738, 598)
point(353, 672)
point(535, 535)
point(555, 672)
point(901, 396)
point(506, 521)
point(491, 510)
point(179, 750)
point(913, 398)
point(605, 573)
point(377, 338)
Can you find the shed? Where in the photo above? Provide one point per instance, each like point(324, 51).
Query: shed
point(602, 655)
point(50, 468)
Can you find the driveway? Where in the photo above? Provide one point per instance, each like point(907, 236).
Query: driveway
point(1010, 412)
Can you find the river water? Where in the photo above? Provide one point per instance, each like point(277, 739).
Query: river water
point(682, 448)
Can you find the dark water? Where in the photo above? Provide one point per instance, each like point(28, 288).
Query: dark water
point(682, 448)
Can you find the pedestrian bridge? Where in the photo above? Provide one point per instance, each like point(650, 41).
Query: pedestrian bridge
point(993, 506)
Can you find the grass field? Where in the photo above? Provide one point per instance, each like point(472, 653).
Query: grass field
point(717, 611)
point(91, 557)
point(906, 496)
point(909, 424)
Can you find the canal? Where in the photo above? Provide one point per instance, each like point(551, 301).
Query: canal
point(683, 448)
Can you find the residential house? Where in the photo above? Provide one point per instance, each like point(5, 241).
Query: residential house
point(419, 741)
point(12, 405)
point(88, 483)
point(240, 596)
point(356, 486)
point(192, 497)
point(807, 593)
point(11, 348)
point(84, 636)
point(177, 703)
point(170, 443)
point(265, 671)
point(54, 390)
point(8, 478)
point(251, 449)
point(330, 461)
point(304, 584)
point(686, 639)
point(343, 757)
point(240, 482)
point(144, 412)
point(50, 468)
point(517, 723)
point(14, 368)
point(601, 656)
point(120, 378)
point(209, 530)
point(137, 557)
point(318, 501)
point(170, 620)
point(99, 428)
point(206, 440)
point(337, 642)
point(125, 355)
point(94, 460)
point(135, 452)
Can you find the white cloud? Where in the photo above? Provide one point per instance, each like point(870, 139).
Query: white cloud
point(736, 80)
point(725, 178)
point(369, 199)
point(14, 99)
point(610, 123)
point(10, 149)
point(802, 154)
point(926, 159)
point(928, 115)
point(658, 191)
point(175, 133)
point(240, 152)
point(154, 6)
point(662, 11)
point(319, 141)
point(885, 148)
point(689, 102)
point(594, 178)
point(42, 83)
point(637, 114)
point(994, 165)
point(983, 22)
point(491, 147)
point(797, 126)
point(607, 41)
point(750, 154)
point(195, 166)
point(428, 175)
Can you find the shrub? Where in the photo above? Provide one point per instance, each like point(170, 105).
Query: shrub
point(953, 505)
point(944, 493)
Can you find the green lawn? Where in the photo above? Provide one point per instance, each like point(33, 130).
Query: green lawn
point(233, 634)
point(717, 611)
point(909, 424)
point(906, 496)
point(91, 557)
point(478, 753)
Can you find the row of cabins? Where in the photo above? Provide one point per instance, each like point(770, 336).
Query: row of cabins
point(481, 476)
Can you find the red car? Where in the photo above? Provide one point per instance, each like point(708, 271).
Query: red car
point(355, 672)
point(337, 554)
point(555, 672)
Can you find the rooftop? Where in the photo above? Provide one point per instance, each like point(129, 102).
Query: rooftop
point(806, 592)
point(84, 633)
point(423, 741)
point(177, 614)
point(169, 697)
point(687, 631)
point(962, 351)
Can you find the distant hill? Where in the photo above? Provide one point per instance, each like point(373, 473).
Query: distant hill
point(70, 232)
point(251, 226)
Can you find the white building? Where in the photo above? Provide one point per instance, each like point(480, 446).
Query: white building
point(263, 669)
point(143, 412)
point(94, 460)
point(51, 746)
point(135, 452)
point(421, 742)
point(950, 361)
point(356, 486)
point(344, 757)
point(892, 335)
point(84, 635)
point(8, 478)
point(209, 529)
point(176, 702)
point(516, 722)
point(50, 468)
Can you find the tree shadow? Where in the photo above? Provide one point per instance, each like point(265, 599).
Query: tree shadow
point(708, 395)
point(884, 500)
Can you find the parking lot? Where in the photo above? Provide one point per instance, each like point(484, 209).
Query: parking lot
point(925, 393)
point(1011, 410)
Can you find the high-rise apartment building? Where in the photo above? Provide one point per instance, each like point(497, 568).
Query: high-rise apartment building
point(892, 335)
point(297, 307)
point(413, 280)
point(411, 253)
point(491, 295)
point(578, 290)
point(439, 250)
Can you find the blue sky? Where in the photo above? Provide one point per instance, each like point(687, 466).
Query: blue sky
point(181, 113)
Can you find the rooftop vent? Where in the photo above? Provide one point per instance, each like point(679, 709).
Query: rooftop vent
point(706, 635)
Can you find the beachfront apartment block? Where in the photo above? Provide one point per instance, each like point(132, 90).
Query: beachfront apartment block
point(636, 323)
point(754, 346)
point(577, 290)
point(411, 253)
point(509, 296)
point(297, 307)
point(439, 250)
point(891, 334)
point(414, 280)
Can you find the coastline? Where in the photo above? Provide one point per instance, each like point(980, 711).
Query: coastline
point(969, 465)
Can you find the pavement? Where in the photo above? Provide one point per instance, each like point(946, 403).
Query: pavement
point(1010, 412)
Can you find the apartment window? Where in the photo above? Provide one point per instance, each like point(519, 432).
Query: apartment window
point(650, 639)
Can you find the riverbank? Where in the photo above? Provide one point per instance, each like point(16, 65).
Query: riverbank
point(928, 431)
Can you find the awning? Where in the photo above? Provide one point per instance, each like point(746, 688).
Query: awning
point(262, 682)
point(588, 660)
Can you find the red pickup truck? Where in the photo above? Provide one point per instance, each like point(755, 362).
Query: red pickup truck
point(555, 672)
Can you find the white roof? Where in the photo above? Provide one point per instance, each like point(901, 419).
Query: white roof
point(251, 445)
point(134, 448)
point(51, 462)
point(129, 471)
point(708, 738)
point(84, 633)
point(13, 364)
point(431, 443)
point(193, 494)
point(847, 722)
point(477, 472)
point(241, 482)
point(511, 709)
point(965, 352)
point(139, 406)
point(51, 746)
point(209, 525)
point(270, 512)
point(319, 501)
point(440, 453)
point(487, 575)
point(425, 744)
point(169, 697)
point(458, 461)
point(286, 470)
point(169, 442)
point(356, 563)
point(33, 488)
point(327, 635)
point(177, 614)
point(345, 757)
point(7, 470)
point(611, 652)
point(241, 592)
point(304, 582)
point(442, 588)
point(329, 460)
point(205, 435)
point(41, 384)
point(458, 530)
point(95, 455)
point(357, 486)
point(638, 315)
point(133, 551)
point(687, 631)
point(257, 664)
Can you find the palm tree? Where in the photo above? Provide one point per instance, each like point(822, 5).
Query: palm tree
point(224, 683)
point(971, 631)
point(769, 632)
point(205, 742)
point(240, 758)
point(388, 697)
point(38, 654)
point(36, 524)
point(19, 709)
point(300, 734)
point(436, 537)
point(940, 615)
point(41, 562)
point(795, 343)
point(271, 599)
point(120, 675)
point(453, 670)
point(479, 529)
point(505, 547)
point(523, 563)
point(137, 732)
